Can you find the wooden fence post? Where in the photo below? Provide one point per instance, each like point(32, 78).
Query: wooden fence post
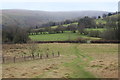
point(47, 55)
point(14, 59)
point(40, 56)
point(53, 54)
point(3, 59)
point(33, 56)
point(58, 53)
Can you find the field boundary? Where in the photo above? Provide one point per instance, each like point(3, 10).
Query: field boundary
point(81, 41)
point(15, 59)
point(89, 41)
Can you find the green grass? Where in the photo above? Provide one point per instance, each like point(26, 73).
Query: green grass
point(77, 65)
point(100, 21)
point(74, 66)
point(75, 59)
point(60, 37)
point(64, 25)
point(75, 23)
point(89, 38)
point(54, 27)
point(97, 29)
point(54, 37)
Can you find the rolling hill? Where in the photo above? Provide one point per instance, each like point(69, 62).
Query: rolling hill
point(30, 18)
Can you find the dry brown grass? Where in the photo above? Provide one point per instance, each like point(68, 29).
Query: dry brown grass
point(104, 62)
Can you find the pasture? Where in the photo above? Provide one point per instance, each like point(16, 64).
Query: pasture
point(66, 36)
point(75, 61)
point(97, 29)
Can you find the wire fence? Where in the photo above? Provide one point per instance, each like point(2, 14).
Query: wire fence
point(22, 58)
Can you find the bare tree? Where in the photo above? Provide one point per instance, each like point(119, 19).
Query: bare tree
point(33, 49)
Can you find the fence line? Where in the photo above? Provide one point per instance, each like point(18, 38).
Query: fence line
point(15, 59)
point(81, 41)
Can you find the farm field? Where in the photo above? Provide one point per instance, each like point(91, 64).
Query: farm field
point(100, 21)
point(65, 25)
point(60, 37)
point(75, 61)
point(98, 29)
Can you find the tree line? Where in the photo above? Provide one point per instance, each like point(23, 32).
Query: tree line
point(15, 34)
point(110, 26)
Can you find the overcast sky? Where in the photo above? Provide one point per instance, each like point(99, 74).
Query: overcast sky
point(61, 5)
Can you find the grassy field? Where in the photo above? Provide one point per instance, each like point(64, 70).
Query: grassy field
point(97, 29)
point(100, 21)
point(76, 61)
point(60, 37)
point(64, 25)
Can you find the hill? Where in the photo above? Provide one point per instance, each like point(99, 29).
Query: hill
point(30, 18)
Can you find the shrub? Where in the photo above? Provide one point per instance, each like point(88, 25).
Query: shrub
point(93, 33)
point(86, 32)
point(80, 39)
point(110, 34)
